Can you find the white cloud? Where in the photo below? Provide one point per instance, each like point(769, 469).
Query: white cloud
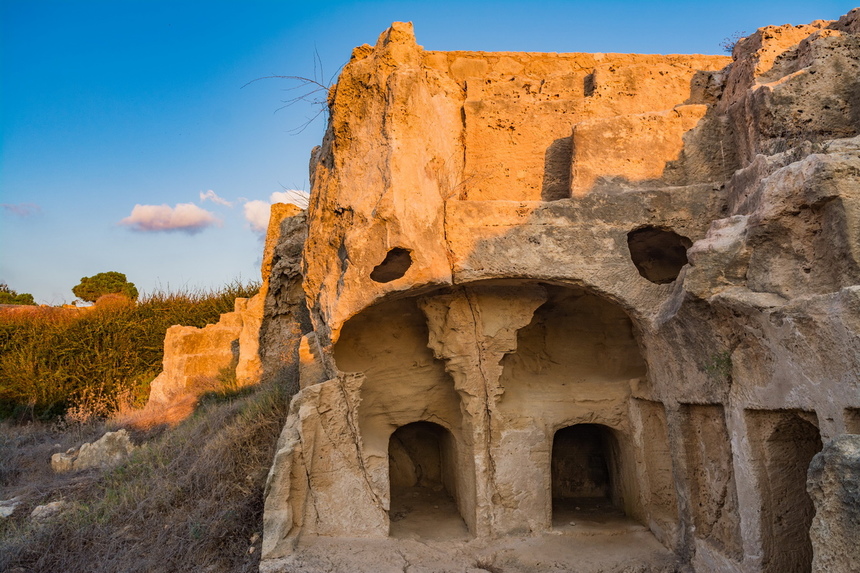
point(210, 195)
point(257, 211)
point(185, 217)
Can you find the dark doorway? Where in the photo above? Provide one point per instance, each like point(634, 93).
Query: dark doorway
point(421, 473)
point(788, 510)
point(584, 472)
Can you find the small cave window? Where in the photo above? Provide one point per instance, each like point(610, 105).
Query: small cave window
point(659, 254)
point(394, 266)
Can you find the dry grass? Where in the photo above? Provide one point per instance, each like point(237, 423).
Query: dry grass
point(95, 361)
point(189, 499)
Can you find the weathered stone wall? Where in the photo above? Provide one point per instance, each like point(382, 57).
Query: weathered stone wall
point(662, 250)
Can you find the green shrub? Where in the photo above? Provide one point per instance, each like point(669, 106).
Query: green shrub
point(9, 296)
point(52, 359)
point(111, 282)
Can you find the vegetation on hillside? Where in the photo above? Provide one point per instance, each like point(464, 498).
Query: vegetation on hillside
point(9, 296)
point(95, 359)
point(188, 499)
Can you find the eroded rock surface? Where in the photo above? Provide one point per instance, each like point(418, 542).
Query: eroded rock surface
point(834, 485)
point(551, 302)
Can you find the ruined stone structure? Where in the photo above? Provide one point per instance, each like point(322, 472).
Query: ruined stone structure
point(557, 312)
point(197, 360)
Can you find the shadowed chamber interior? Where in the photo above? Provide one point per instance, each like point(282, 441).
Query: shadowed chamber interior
point(784, 444)
point(585, 472)
point(852, 420)
point(577, 343)
point(404, 387)
point(403, 381)
point(572, 370)
point(659, 254)
point(422, 464)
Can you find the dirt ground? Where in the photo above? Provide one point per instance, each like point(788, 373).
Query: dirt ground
point(428, 535)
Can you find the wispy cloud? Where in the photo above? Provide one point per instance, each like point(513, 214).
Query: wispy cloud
point(185, 217)
point(210, 195)
point(22, 209)
point(257, 211)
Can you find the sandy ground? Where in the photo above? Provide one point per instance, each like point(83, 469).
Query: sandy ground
point(428, 535)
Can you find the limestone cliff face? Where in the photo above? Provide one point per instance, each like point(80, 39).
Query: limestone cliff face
point(530, 264)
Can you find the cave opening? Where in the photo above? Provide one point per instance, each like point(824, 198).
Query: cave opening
point(585, 475)
point(423, 482)
point(395, 264)
point(659, 254)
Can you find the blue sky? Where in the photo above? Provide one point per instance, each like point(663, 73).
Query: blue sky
point(109, 105)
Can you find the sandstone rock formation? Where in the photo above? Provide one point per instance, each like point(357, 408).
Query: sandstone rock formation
point(107, 451)
point(228, 353)
point(544, 280)
point(834, 485)
point(554, 302)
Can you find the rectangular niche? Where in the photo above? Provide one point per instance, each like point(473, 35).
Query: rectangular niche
point(782, 444)
point(852, 420)
point(662, 505)
point(710, 471)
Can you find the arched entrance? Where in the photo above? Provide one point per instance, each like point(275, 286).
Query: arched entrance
point(585, 474)
point(423, 482)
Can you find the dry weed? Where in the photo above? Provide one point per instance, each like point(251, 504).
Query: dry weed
point(189, 499)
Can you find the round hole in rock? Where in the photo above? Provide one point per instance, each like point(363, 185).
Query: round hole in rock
point(659, 254)
point(585, 475)
point(421, 473)
point(394, 266)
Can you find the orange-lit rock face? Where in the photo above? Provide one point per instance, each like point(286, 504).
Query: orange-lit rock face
point(561, 295)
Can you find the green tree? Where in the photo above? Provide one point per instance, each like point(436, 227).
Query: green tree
point(91, 288)
point(9, 296)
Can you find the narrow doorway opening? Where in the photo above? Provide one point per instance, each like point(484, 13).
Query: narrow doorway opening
point(788, 516)
point(421, 473)
point(585, 475)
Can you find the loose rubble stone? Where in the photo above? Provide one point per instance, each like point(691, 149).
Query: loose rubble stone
point(49, 510)
point(8, 506)
point(107, 451)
